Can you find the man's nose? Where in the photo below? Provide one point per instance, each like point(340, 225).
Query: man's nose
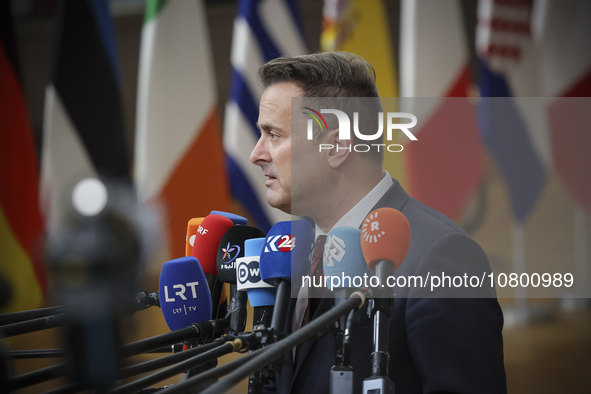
point(259, 154)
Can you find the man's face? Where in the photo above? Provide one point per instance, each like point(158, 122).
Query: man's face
point(273, 150)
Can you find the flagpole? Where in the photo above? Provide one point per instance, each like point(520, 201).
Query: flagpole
point(522, 313)
point(519, 262)
point(581, 266)
point(580, 295)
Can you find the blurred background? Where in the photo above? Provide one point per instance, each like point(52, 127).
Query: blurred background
point(162, 95)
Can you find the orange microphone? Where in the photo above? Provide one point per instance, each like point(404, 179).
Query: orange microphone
point(192, 227)
point(385, 236)
point(385, 239)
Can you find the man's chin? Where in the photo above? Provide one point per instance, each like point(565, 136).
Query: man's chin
point(277, 203)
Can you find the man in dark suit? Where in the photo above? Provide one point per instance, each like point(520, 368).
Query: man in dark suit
point(437, 343)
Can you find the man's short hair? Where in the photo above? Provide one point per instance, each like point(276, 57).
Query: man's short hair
point(330, 74)
point(323, 74)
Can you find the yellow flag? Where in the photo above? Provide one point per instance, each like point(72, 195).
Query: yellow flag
point(361, 27)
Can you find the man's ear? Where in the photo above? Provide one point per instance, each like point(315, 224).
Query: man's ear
point(342, 148)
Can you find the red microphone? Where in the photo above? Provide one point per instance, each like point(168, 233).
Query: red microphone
point(205, 248)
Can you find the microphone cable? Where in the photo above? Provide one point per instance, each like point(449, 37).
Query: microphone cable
point(222, 349)
point(275, 351)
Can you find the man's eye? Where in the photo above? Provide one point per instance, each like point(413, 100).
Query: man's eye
point(273, 137)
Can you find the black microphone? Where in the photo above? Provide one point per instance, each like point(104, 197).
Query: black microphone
point(95, 258)
point(230, 249)
point(385, 239)
point(260, 294)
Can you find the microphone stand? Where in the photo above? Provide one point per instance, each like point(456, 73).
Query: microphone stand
point(261, 321)
point(382, 310)
point(342, 374)
point(246, 365)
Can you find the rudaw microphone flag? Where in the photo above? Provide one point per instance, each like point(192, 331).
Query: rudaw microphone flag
point(21, 224)
point(263, 30)
point(184, 295)
point(385, 239)
point(83, 131)
point(179, 160)
point(446, 164)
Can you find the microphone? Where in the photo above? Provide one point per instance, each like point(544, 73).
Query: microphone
point(385, 239)
point(205, 249)
point(231, 248)
point(236, 219)
point(184, 295)
point(343, 265)
point(286, 242)
point(261, 295)
point(192, 227)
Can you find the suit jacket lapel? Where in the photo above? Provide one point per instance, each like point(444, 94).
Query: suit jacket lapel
point(396, 198)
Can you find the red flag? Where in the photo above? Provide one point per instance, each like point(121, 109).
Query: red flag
point(445, 165)
point(21, 224)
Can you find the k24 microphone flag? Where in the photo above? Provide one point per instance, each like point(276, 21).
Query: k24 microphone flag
point(263, 30)
point(179, 159)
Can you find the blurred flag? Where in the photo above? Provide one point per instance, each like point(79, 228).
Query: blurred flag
point(263, 30)
point(179, 161)
point(21, 225)
point(445, 165)
point(362, 27)
point(564, 39)
point(83, 133)
point(513, 129)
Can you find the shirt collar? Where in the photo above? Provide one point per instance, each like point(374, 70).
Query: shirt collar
point(355, 216)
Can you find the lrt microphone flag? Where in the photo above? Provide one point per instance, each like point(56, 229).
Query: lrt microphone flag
point(179, 160)
point(263, 30)
point(516, 138)
point(362, 27)
point(21, 224)
point(563, 42)
point(446, 164)
point(83, 133)
point(184, 295)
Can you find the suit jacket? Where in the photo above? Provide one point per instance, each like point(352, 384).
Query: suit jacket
point(437, 344)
